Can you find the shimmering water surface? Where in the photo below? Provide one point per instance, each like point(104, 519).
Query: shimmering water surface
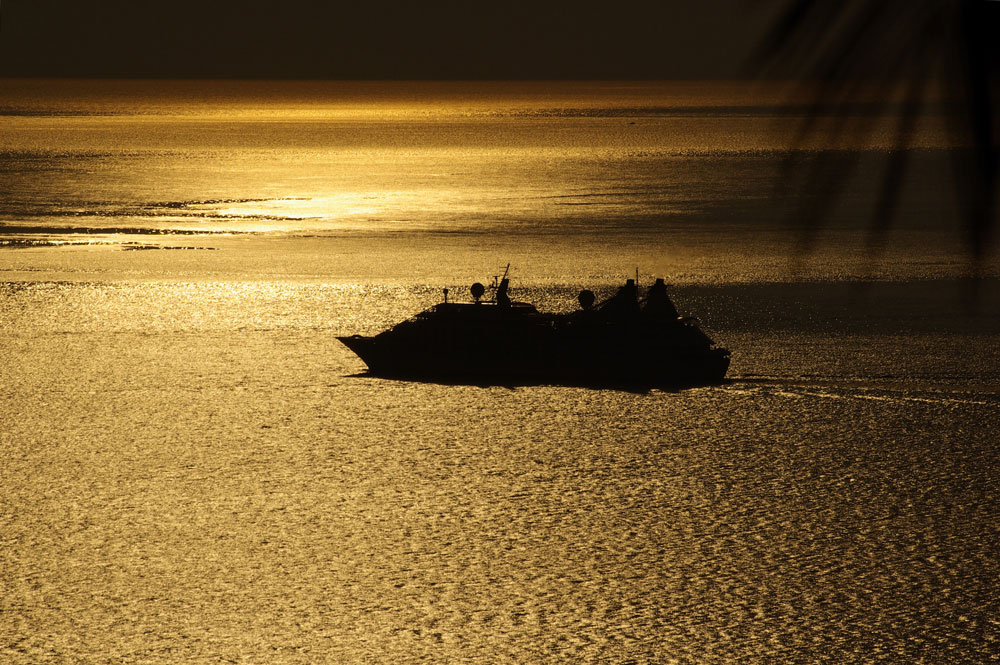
point(192, 469)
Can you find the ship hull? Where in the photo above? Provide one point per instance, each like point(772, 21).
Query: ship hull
point(559, 360)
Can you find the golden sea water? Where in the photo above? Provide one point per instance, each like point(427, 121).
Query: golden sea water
point(192, 469)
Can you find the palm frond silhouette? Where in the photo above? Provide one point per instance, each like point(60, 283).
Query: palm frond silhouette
point(843, 49)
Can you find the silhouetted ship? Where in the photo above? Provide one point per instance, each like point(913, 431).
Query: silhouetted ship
point(620, 341)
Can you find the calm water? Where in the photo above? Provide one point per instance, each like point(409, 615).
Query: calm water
point(192, 469)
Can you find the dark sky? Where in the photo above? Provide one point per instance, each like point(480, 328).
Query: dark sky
point(387, 39)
